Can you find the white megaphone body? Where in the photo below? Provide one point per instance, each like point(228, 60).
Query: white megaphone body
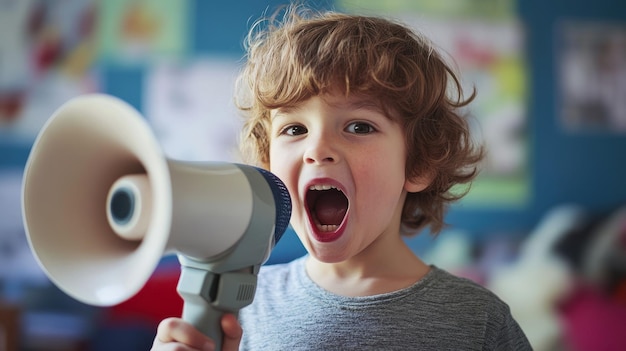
point(102, 206)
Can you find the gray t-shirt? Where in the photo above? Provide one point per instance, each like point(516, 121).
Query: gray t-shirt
point(440, 312)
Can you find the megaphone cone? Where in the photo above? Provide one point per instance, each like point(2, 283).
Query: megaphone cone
point(87, 145)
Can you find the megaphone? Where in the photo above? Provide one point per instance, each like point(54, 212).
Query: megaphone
point(102, 205)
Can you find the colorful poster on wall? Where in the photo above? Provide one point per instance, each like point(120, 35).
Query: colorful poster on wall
point(591, 80)
point(486, 42)
point(46, 57)
point(190, 106)
point(140, 30)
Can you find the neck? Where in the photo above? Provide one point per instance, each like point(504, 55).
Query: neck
point(383, 267)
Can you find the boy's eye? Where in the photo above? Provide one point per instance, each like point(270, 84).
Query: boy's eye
point(294, 130)
point(360, 128)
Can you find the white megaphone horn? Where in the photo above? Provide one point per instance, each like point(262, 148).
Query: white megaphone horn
point(102, 206)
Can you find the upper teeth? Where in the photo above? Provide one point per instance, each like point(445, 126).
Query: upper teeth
point(322, 187)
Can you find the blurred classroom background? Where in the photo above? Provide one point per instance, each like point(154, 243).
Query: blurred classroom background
point(544, 226)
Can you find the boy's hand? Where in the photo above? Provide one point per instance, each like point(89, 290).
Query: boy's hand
point(174, 334)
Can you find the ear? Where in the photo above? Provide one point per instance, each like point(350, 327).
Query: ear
point(417, 184)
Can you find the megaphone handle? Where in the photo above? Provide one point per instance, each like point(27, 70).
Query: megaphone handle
point(206, 319)
point(196, 287)
point(208, 296)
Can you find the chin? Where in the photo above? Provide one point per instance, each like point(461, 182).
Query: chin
point(327, 257)
point(328, 252)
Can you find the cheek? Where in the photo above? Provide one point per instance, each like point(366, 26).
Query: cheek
point(278, 163)
point(384, 177)
point(282, 167)
point(275, 160)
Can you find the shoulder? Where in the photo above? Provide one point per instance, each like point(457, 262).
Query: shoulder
point(454, 288)
point(462, 298)
point(473, 304)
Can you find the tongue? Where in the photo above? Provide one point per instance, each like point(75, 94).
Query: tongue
point(331, 207)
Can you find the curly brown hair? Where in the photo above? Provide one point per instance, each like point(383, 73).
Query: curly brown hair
point(304, 53)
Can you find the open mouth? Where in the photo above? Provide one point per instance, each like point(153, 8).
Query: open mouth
point(327, 207)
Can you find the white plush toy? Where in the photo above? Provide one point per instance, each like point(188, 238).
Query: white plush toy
point(535, 282)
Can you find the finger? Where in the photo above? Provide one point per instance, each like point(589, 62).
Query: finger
point(177, 330)
point(232, 333)
point(171, 346)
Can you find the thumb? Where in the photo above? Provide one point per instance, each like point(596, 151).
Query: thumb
point(232, 333)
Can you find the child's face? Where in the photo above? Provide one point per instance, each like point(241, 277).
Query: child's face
point(332, 141)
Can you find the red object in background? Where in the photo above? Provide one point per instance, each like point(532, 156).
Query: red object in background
point(620, 292)
point(594, 321)
point(11, 104)
point(157, 300)
point(48, 51)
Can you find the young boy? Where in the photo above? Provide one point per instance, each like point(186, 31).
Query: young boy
point(355, 115)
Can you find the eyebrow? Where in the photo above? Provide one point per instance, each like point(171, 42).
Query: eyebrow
point(365, 104)
point(287, 109)
point(361, 103)
point(282, 112)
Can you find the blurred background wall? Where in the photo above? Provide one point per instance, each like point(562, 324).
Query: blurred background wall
point(551, 108)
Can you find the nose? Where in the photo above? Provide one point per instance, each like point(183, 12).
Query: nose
point(321, 149)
